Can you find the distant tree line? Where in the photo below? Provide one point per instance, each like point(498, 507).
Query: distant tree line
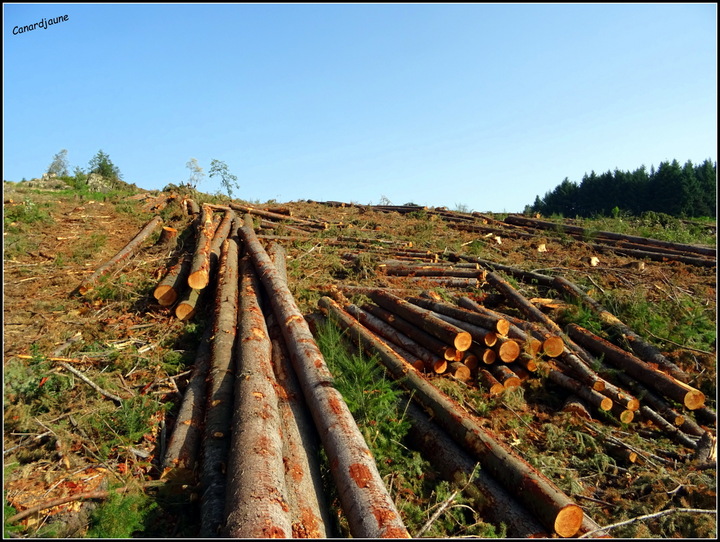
point(687, 191)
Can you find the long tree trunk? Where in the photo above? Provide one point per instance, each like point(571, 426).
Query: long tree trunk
point(552, 507)
point(308, 509)
point(256, 505)
point(433, 344)
point(489, 323)
point(365, 500)
point(219, 402)
point(200, 269)
point(181, 455)
point(386, 331)
point(490, 500)
point(448, 333)
point(124, 253)
point(636, 343)
point(638, 369)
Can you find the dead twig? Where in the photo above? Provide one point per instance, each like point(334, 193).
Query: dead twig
point(90, 383)
point(77, 497)
point(649, 516)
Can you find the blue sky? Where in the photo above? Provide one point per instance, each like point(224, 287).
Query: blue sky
point(479, 106)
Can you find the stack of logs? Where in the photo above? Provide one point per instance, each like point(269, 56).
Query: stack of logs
point(259, 397)
point(257, 467)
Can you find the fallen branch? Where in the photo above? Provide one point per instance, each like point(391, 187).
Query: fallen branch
point(79, 497)
point(649, 516)
point(124, 253)
point(90, 383)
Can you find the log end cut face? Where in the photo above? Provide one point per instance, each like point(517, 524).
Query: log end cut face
point(569, 520)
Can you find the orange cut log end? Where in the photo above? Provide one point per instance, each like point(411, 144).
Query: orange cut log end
point(569, 520)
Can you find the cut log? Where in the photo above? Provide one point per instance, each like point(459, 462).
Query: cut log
point(480, 335)
point(593, 397)
point(181, 455)
point(448, 333)
point(392, 335)
point(219, 403)
point(256, 505)
point(301, 443)
point(583, 232)
point(188, 305)
point(433, 344)
point(527, 362)
point(200, 269)
point(637, 344)
point(168, 238)
point(370, 510)
point(505, 376)
point(169, 288)
point(123, 254)
point(576, 406)
point(507, 349)
point(489, 499)
point(220, 233)
point(490, 383)
point(668, 428)
point(521, 303)
point(489, 323)
point(552, 507)
point(459, 370)
point(638, 369)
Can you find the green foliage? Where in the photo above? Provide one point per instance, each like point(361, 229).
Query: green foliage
point(59, 165)
point(227, 179)
point(28, 212)
point(121, 516)
point(102, 165)
point(676, 190)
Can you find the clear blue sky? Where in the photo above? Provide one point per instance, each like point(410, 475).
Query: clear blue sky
point(476, 105)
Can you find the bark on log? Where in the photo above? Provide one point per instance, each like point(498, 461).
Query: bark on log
point(168, 238)
point(489, 323)
point(200, 269)
point(638, 369)
point(431, 271)
point(392, 335)
point(219, 402)
point(220, 233)
point(490, 500)
point(308, 510)
point(459, 370)
point(124, 253)
point(256, 504)
point(575, 405)
point(637, 344)
point(668, 428)
point(276, 216)
point(526, 276)
point(519, 301)
point(192, 207)
point(169, 288)
point(369, 509)
point(552, 507)
point(491, 383)
point(505, 376)
point(433, 344)
point(188, 305)
point(595, 398)
point(448, 333)
point(181, 455)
